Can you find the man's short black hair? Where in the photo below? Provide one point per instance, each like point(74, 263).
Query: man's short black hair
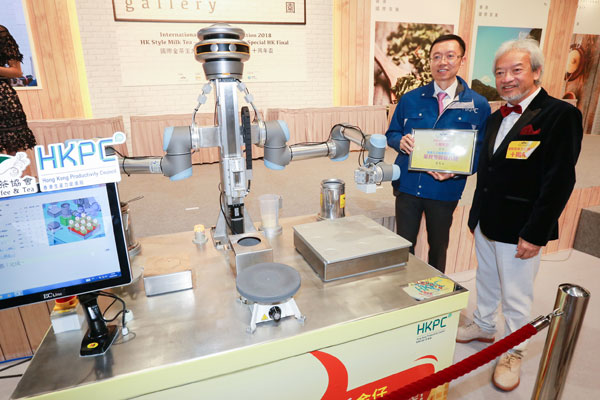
point(445, 38)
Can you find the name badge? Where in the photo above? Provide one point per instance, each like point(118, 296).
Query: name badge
point(521, 149)
point(462, 105)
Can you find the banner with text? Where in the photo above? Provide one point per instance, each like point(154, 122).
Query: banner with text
point(247, 11)
point(163, 54)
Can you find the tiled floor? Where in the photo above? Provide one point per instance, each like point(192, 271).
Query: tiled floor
point(582, 382)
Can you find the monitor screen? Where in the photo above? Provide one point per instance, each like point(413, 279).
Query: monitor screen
point(61, 243)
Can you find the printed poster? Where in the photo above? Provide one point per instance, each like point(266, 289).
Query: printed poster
point(496, 22)
point(581, 71)
point(402, 35)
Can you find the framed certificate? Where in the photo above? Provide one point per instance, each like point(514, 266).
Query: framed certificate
point(443, 150)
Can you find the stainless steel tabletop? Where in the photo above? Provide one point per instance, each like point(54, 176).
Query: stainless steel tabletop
point(210, 319)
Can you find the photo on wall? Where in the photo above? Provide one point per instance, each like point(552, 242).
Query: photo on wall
point(489, 39)
point(581, 77)
point(14, 18)
point(402, 58)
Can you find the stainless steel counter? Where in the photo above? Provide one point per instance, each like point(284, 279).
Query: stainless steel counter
point(210, 320)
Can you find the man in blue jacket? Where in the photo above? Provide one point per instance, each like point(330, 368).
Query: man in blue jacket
point(445, 103)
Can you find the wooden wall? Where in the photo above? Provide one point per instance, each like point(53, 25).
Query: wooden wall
point(22, 329)
point(60, 95)
point(561, 20)
point(352, 44)
point(465, 31)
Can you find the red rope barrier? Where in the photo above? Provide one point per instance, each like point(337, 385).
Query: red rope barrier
point(467, 365)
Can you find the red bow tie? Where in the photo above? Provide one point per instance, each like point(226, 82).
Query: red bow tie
point(505, 110)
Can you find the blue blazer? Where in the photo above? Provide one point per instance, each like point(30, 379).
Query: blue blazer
point(418, 109)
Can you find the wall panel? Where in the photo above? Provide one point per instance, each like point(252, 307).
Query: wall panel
point(465, 31)
point(561, 20)
point(352, 44)
point(60, 95)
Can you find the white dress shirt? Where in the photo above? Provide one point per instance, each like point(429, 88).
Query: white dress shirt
point(450, 91)
point(509, 121)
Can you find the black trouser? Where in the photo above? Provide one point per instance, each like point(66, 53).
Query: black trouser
point(438, 218)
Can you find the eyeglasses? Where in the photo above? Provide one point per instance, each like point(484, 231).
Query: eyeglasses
point(450, 57)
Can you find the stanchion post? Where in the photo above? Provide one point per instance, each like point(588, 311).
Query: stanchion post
point(570, 305)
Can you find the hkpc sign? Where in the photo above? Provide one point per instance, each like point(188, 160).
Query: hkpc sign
point(77, 163)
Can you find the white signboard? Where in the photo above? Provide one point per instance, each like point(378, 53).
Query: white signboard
point(11, 181)
point(77, 163)
point(246, 11)
point(163, 54)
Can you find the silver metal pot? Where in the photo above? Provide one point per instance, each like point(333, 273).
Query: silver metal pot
point(333, 199)
point(133, 247)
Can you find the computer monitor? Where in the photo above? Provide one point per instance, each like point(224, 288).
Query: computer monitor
point(61, 243)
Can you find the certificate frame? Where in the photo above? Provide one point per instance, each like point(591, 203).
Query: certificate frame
point(443, 150)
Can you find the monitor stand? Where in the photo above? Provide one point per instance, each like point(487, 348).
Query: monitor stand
point(99, 336)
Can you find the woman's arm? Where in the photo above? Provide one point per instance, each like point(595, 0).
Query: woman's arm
point(12, 71)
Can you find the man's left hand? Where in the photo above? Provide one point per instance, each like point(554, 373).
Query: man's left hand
point(526, 250)
point(440, 176)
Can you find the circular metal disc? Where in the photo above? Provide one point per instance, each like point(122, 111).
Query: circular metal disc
point(268, 282)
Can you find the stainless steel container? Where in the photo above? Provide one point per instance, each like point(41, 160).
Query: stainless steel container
point(247, 249)
point(333, 199)
point(350, 246)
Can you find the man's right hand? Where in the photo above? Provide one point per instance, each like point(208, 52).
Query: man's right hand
point(407, 143)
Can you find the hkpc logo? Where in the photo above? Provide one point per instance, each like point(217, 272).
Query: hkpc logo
point(77, 163)
point(432, 325)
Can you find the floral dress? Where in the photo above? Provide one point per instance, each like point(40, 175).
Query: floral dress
point(15, 135)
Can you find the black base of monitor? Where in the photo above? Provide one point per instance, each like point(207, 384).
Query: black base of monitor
point(99, 336)
point(97, 346)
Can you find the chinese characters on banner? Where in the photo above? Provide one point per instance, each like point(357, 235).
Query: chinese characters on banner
point(163, 54)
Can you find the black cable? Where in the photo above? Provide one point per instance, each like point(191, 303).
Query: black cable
point(109, 306)
point(222, 210)
point(15, 364)
point(10, 376)
point(308, 144)
point(122, 312)
point(361, 155)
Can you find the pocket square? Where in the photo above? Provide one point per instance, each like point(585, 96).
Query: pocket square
point(528, 130)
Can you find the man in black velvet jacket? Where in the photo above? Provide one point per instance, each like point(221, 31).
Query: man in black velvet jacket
point(525, 177)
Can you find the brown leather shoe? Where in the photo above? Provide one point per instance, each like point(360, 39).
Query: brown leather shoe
point(471, 332)
point(507, 374)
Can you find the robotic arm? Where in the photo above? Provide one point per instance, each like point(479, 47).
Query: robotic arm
point(370, 174)
point(222, 52)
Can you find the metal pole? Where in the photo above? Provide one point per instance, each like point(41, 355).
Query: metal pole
point(570, 305)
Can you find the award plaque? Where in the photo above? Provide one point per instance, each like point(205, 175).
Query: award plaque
point(443, 150)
